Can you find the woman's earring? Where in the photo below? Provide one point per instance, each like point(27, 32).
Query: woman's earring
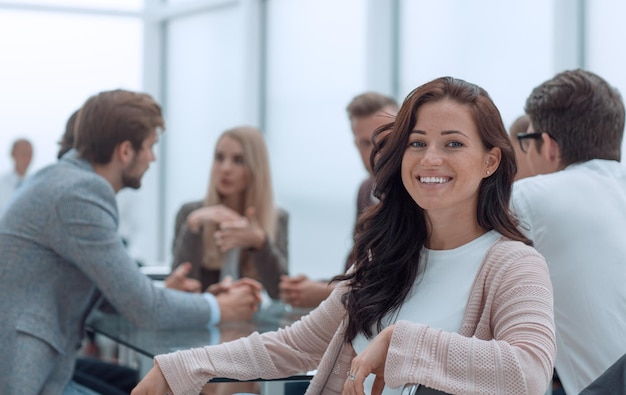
point(487, 172)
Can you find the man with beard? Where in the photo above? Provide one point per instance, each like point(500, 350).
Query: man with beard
point(60, 252)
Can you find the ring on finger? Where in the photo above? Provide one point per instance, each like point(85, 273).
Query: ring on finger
point(351, 376)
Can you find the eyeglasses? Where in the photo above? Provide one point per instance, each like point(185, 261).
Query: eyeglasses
point(524, 140)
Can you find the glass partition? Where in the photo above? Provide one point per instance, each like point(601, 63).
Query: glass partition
point(204, 95)
point(604, 26)
point(505, 47)
point(126, 5)
point(316, 54)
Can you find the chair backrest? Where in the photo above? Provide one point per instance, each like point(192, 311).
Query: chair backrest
point(612, 381)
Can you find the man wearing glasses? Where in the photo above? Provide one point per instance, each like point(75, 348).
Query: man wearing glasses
point(575, 213)
point(519, 127)
point(537, 167)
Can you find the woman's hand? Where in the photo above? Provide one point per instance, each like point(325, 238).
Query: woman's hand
point(239, 300)
point(300, 291)
point(371, 360)
point(153, 383)
point(227, 284)
point(205, 215)
point(240, 233)
point(179, 279)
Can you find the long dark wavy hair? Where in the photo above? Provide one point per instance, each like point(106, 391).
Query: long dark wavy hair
point(391, 234)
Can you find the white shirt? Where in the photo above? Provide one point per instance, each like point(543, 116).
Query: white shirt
point(8, 183)
point(440, 292)
point(577, 220)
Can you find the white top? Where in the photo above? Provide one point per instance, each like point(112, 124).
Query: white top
point(8, 182)
point(440, 293)
point(577, 220)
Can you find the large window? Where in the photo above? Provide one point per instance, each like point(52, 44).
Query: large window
point(109, 5)
point(314, 68)
point(53, 59)
point(52, 64)
point(605, 27)
point(505, 47)
point(287, 66)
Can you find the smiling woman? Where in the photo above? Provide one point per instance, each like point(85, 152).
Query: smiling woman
point(445, 291)
point(444, 177)
point(445, 162)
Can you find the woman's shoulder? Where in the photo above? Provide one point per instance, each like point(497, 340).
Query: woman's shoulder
point(185, 210)
point(281, 213)
point(506, 252)
point(510, 264)
point(190, 206)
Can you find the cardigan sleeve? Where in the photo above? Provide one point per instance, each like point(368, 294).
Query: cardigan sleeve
point(271, 261)
point(292, 350)
point(511, 352)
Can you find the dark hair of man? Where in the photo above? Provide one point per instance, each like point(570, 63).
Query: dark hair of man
point(110, 118)
point(390, 236)
point(67, 140)
point(582, 112)
point(369, 103)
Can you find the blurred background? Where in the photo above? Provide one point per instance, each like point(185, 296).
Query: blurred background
point(289, 67)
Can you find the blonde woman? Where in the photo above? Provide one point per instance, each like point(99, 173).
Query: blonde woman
point(236, 230)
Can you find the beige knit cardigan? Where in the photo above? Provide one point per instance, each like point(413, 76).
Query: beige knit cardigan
point(506, 344)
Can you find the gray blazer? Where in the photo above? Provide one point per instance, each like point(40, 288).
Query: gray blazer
point(59, 253)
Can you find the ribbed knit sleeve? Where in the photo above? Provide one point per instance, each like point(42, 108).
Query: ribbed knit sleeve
point(507, 343)
point(292, 350)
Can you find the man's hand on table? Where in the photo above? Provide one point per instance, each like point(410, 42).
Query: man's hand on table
point(238, 300)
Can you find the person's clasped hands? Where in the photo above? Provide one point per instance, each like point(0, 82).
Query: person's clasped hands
point(205, 215)
point(238, 300)
point(233, 230)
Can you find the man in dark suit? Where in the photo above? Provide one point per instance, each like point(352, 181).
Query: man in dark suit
point(60, 252)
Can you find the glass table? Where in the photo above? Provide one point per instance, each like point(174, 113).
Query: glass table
point(138, 346)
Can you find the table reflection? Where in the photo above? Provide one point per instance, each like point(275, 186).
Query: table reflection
point(147, 343)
